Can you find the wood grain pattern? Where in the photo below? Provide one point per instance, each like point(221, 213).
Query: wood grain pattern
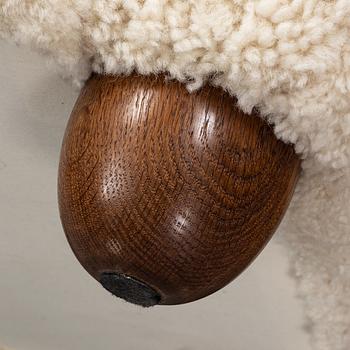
point(180, 191)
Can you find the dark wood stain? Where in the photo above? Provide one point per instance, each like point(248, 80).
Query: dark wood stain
point(180, 191)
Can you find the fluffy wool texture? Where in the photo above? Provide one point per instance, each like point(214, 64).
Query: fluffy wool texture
point(288, 58)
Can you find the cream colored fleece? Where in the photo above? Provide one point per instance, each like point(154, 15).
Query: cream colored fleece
point(289, 58)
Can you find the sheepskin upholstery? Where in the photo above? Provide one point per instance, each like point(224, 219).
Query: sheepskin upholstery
point(288, 58)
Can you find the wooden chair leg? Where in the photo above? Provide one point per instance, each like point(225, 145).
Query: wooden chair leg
point(166, 196)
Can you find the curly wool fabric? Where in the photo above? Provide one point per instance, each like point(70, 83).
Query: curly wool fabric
point(288, 58)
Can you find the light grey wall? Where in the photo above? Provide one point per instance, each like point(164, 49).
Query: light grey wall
point(48, 302)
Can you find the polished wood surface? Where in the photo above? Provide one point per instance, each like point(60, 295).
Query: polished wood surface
point(179, 191)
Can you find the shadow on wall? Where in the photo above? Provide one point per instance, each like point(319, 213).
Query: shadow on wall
point(47, 108)
point(40, 111)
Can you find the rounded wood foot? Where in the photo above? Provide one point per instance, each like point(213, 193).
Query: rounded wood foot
point(166, 196)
